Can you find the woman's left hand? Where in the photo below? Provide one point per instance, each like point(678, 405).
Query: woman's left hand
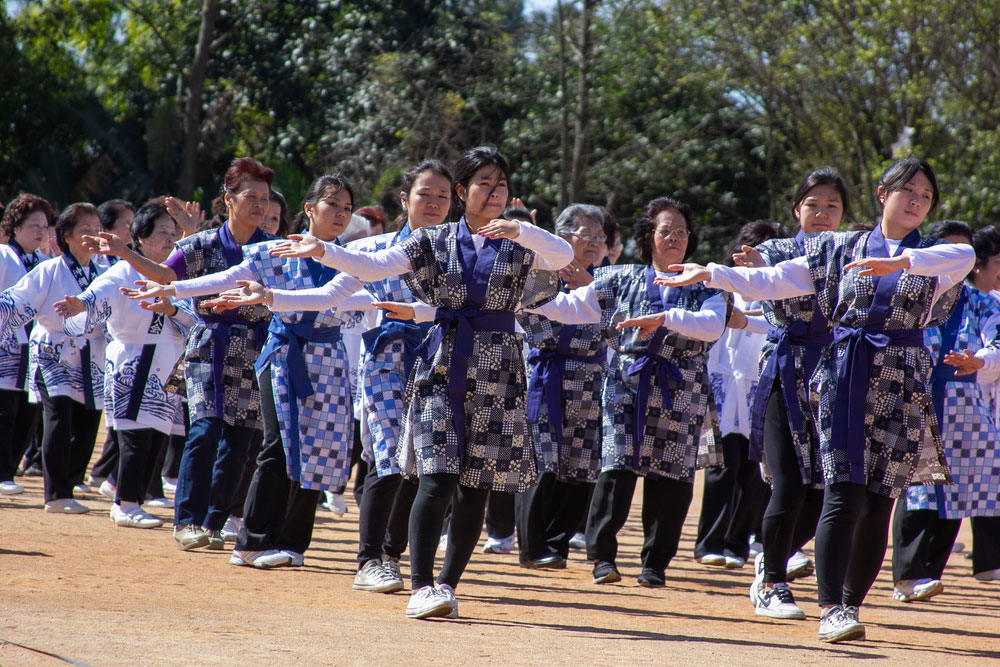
point(575, 275)
point(965, 362)
point(647, 324)
point(69, 306)
point(396, 310)
point(500, 229)
point(162, 306)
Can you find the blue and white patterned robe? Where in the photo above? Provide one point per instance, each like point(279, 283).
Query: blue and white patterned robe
point(579, 457)
point(903, 442)
point(52, 353)
point(129, 326)
point(970, 436)
point(316, 430)
point(14, 345)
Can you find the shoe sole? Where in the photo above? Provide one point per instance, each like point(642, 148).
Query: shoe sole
point(609, 578)
point(383, 588)
point(236, 560)
point(852, 634)
point(785, 616)
point(188, 546)
point(215, 546)
point(713, 563)
point(491, 550)
point(734, 565)
point(923, 595)
point(442, 610)
point(799, 572)
point(649, 584)
point(129, 524)
point(56, 510)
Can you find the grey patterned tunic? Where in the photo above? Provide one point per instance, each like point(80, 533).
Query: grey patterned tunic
point(221, 348)
point(783, 314)
point(903, 442)
point(497, 453)
point(670, 444)
point(578, 457)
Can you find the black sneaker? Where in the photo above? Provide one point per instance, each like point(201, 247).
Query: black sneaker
point(650, 578)
point(606, 573)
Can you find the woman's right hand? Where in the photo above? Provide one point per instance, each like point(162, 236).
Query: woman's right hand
point(396, 310)
point(299, 245)
point(105, 243)
point(689, 275)
point(749, 257)
point(148, 289)
point(248, 293)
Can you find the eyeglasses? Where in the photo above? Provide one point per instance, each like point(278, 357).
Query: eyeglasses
point(676, 234)
point(589, 238)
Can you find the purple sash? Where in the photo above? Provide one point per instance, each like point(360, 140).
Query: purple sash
point(465, 322)
point(848, 430)
point(649, 362)
point(781, 364)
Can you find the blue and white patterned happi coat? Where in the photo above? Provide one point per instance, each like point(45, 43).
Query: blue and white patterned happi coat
point(498, 453)
point(324, 427)
point(782, 314)
point(383, 376)
point(971, 438)
point(903, 438)
point(670, 446)
point(579, 459)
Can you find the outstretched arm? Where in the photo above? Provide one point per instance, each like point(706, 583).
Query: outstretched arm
point(580, 306)
point(551, 252)
point(368, 266)
point(782, 281)
point(109, 244)
point(707, 323)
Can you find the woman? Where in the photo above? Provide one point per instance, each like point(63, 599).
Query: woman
point(25, 223)
point(305, 395)
point(566, 367)
point(927, 518)
point(783, 436)
point(464, 431)
point(275, 222)
point(657, 387)
point(734, 495)
point(876, 370)
point(67, 371)
point(223, 397)
point(145, 346)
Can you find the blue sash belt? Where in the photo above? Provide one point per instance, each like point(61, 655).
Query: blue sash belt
point(645, 365)
point(411, 334)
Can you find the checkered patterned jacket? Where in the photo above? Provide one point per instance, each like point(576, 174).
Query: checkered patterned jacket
point(670, 446)
point(904, 441)
point(498, 453)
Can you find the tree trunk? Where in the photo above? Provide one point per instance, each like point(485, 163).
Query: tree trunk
point(195, 87)
point(564, 155)
point(581, 147)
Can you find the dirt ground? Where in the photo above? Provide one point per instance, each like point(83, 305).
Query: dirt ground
point(79, 587)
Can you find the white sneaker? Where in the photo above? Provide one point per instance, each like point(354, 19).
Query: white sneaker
point(94, 481)
point(10, 488)
point(734, 563)
point(65, 506)
point(392, 567)
point(82, 489)
point(755, 547)
point(169, 485)
point(450, 593)
point(757, 587)
point(840, 624)
point(713, 559)
point(798, 566)
point(164, 503)
point(498, 545)
point(231, 530)
point(778, 602)
point(376, 578)
point(988, 575)
point(578, 542)
point(443, 542)
point(263, 560)
point(295, 559)
point(429, 602)
point(908, 590)
point(335, 503)
point(135, 518)
point(107, 489)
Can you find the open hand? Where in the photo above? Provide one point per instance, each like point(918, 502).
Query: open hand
point(248, 293)
point(749, 257)
point(163, 306)
point(148, 289)
point(965, 362)
point(395, 309)
point(69, 306)
point(187, 214)
point(689, 275)
point(500, 229)
point(105, 243)
point(879, 266)
point(299, 245)
point(647, 324)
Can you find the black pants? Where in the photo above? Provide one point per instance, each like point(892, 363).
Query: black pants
point(70, 429)
point(137, 453)
point(794, 508)
point(434, 492)
point(732, 502)
point(107, 464)
point(239, 504)
point(922, 543)
point(172, 457)
point(385, 504)
point(851, 539)
point(500, 514)
point(20, 418)
point(279, 513)
point(665, 503)
point(548, 515)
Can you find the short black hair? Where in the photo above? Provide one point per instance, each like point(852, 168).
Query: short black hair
point(144, 221)
point(986, 243)
point(823, 176)
point(754, 233)
point(944, 228)
point(645, 226)
point(68, 219)
point(472, 161)
point(109, 211)
point(899, 173)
